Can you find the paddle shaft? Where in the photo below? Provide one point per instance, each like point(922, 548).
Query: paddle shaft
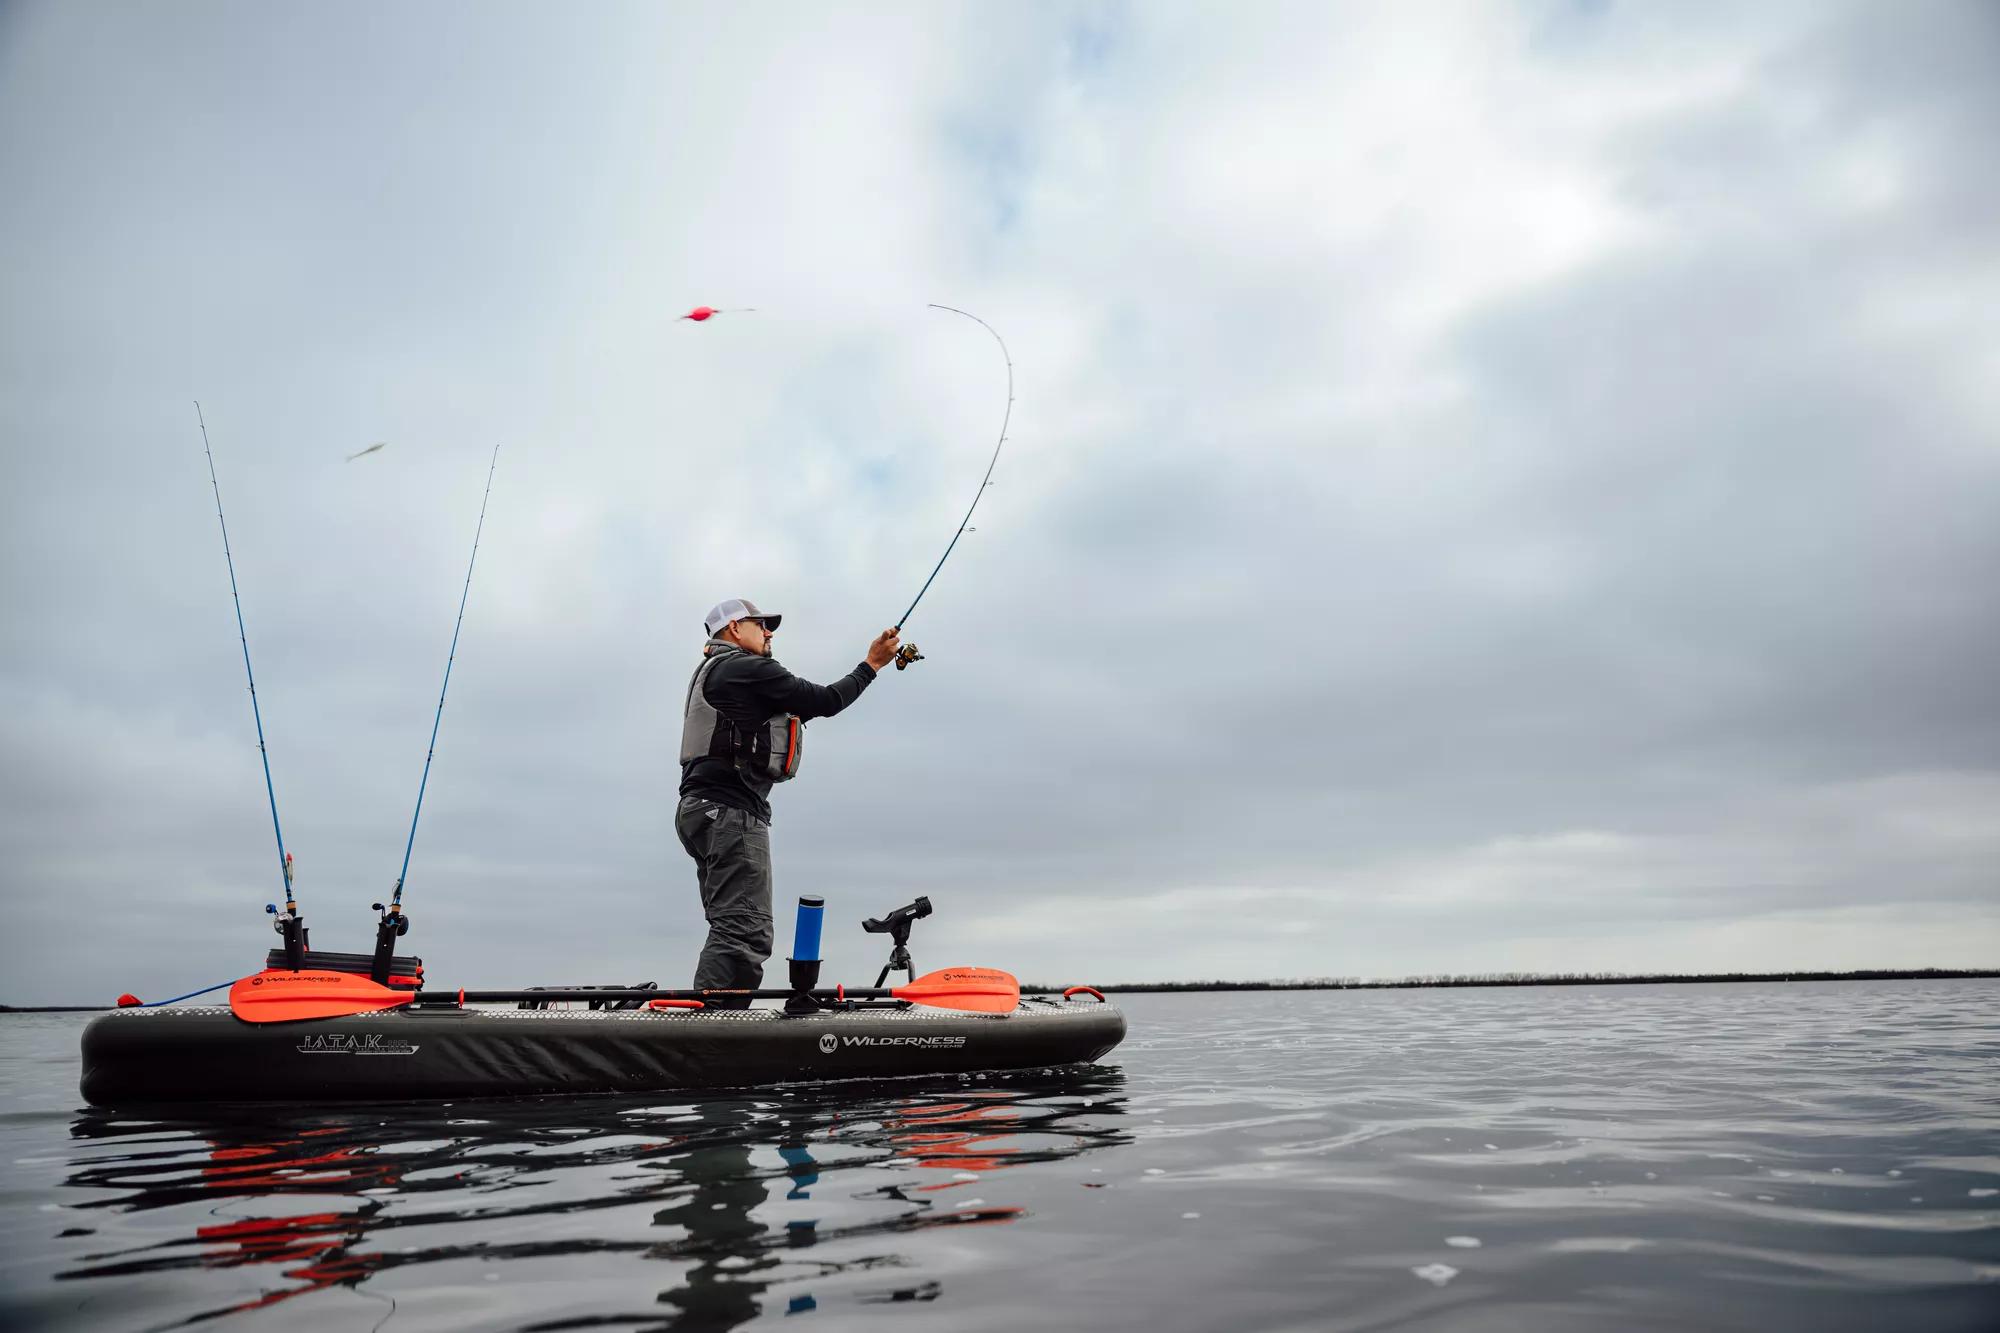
point(579, 996)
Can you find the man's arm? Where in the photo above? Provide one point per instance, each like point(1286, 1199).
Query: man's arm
point(775, 690)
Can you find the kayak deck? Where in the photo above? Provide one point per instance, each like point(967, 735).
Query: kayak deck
point(206, 1054)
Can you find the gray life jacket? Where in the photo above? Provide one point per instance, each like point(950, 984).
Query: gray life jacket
point(770, 752)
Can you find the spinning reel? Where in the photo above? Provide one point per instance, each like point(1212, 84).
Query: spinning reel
point(904, 657)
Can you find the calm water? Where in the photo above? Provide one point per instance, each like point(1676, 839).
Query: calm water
point(1820, 1156)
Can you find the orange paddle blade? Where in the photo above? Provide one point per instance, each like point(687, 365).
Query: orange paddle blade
point(278, 996)
point(979, 990)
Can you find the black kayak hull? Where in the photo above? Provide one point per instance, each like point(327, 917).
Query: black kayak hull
point(138, 1056)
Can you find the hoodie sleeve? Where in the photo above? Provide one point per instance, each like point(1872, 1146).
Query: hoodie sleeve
point(776, 690)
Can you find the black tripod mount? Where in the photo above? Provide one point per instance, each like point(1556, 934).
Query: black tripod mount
point(896, 926)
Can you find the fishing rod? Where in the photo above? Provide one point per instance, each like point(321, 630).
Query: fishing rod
point(288, 924)
point(393, 924)
point(908, 654)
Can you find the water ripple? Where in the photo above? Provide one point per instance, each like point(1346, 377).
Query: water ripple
point(1726, 1157)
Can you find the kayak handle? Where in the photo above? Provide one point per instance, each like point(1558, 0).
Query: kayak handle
point(1084, 990)
point(675, 1004)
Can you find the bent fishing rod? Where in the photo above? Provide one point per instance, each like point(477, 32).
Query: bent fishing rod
point(393, 924)
point(289, 924)
point(908, 654)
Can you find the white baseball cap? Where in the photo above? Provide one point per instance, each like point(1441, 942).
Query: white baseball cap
point(737, 608)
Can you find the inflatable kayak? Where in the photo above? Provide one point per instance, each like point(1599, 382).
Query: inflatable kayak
point(208, 1054)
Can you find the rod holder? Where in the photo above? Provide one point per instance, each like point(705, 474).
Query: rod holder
point(392, 926)
point(804, 976)
point(896, 926)
point(291, 928)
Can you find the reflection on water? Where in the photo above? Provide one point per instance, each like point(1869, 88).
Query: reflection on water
point(743, 1194)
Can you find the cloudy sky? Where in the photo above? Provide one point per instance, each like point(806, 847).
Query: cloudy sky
point(1491, 487)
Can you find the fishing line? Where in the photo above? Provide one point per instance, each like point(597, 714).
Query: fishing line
point(289, 925)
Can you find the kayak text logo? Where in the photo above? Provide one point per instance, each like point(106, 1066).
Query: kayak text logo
point(358, 1043)
point(928, 1043)
point(828, 1043)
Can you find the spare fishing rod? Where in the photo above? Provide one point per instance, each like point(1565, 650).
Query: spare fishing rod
point(393, 924)
point(908, 654)
point(289, 924)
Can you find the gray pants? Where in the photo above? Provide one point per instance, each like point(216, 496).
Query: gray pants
point(732, 856)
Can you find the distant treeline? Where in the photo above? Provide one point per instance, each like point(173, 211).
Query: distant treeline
point(1433, 980)
point(1537, 979)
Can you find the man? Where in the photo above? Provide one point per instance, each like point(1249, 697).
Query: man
point(730, 756)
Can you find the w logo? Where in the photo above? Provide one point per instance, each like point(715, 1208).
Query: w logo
point(828, 1043)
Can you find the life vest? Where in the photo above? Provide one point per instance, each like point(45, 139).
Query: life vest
point(770, 752)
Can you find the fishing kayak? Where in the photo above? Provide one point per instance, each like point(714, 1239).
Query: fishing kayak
point(208, 1054)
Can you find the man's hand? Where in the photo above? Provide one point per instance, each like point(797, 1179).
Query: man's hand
point(883, 650)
